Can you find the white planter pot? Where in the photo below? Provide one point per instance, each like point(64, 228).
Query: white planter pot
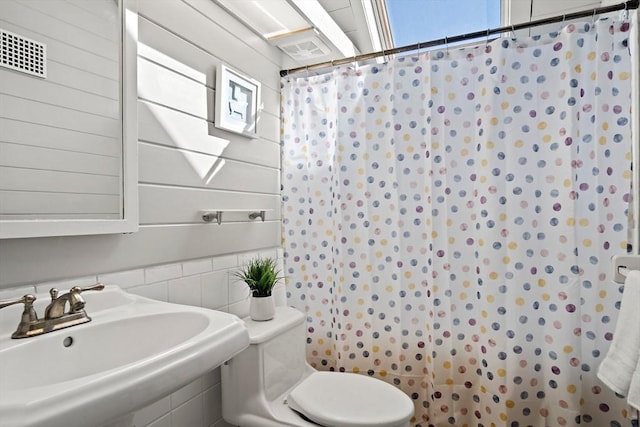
point(262, 308)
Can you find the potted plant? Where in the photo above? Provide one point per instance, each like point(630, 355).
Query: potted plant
point(260, 275)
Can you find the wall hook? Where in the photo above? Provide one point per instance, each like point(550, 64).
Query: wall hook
point(256, 215)
point(213, 216)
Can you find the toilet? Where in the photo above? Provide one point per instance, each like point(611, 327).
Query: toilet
point(270, 384)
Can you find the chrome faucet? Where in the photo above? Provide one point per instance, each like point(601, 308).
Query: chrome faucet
point(55, 316)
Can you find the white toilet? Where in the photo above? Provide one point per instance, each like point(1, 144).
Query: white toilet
point(269, 384)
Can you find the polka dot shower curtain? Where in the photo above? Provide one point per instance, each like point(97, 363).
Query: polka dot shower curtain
point(449, 220)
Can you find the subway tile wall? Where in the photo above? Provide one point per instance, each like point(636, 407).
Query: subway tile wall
point(206, 282)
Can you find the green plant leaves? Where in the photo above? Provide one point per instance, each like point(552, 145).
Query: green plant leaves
point(261, 275)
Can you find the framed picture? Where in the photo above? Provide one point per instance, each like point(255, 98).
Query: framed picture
point(237, 99)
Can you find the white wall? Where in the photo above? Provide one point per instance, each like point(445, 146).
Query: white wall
point(175, 256)
point(61, 135)
point(181, 42)
point(519, 11)
point(205, 282)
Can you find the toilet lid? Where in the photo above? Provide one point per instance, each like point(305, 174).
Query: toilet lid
point(336, 399)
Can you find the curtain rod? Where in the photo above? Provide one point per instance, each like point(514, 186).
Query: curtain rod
point(628, 5)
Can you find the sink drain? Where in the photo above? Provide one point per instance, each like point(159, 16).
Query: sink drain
point(67, 342)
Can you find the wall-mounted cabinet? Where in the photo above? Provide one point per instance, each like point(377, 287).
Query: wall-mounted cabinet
point(68, 139)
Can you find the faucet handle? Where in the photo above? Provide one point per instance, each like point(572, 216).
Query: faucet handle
point(28, 314)
point(76, 302)
point(96, 287)
point(27, 300)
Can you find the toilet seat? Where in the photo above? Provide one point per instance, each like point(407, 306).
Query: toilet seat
point(350, 400)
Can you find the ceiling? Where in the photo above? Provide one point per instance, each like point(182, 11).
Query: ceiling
point(350, 16)
point(345, 28)
point(312, 31)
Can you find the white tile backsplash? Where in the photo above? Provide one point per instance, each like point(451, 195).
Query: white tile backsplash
point(240, 308)
point(66, 284)
point(147, 415)
point(206, 282)
point(157, 291)
point(225, 262)
point(212, 412)
point(238, 290)
point(197, 266)
point(159, 273)
point(124, 279)
point(210, 379)
point(215, 291)
point(185, 290)
point(164, 421)
point(11, 293)
point(189, 414)
point(186, 393)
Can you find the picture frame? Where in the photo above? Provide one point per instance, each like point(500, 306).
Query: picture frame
point(236, 103)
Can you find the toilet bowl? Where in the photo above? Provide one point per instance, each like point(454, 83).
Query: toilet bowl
point(270, 384)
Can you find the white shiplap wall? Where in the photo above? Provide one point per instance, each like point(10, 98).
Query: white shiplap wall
point(181, 43)
point(175, 256)
point(60, 136)
point(520, 11)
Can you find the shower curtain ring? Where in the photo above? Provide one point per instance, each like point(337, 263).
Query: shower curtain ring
point(514, 38)
point(487, 41)
point(446, 44)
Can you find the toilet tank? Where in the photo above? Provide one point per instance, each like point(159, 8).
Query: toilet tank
point(274, 361)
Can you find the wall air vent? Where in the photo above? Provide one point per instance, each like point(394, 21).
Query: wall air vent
point(23, 54)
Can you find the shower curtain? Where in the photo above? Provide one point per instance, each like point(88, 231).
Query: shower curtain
point(449, 220)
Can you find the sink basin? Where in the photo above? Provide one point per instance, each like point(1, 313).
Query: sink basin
point(134, 352)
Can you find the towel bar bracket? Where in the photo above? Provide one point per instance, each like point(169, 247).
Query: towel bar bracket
point(622, 264)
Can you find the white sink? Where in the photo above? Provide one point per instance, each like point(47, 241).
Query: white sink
point(134, 352)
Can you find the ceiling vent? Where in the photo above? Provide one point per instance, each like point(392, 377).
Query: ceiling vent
point(307, 49)
point(303, 29)
point(301, 45)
